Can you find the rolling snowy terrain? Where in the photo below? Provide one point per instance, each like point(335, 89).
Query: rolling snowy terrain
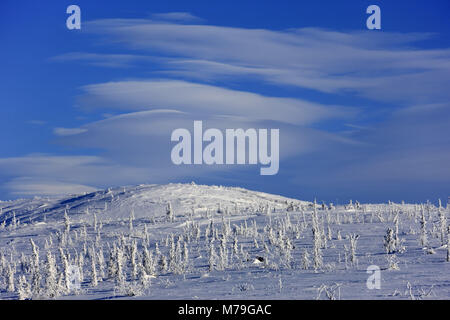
point(188, 241)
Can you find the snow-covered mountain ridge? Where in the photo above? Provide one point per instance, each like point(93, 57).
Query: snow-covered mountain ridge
point(147, 201)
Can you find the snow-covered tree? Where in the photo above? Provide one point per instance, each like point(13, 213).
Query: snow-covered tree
point(169, 212)
point(389, 241)
point(95, 221)
point(80, 263)
point(66, 271)
point(162, 263)
point(185, 256)
point(66, 222)
point(442, 224)
point(101, 262)
point(51, 281)
point(317, 240)
point(94, 279)
point(305, 260)
point(423, 227)
point(35, 271)
point(120, 277)
point(147, 262)
point(130, 221)
point(10, 272)
point(133, 260)
point(211, 257)
point(23, 288)
point(112, 264)
point(353, 242)
point(448, 244)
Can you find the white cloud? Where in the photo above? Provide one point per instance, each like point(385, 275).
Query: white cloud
point(109, 60)
point(42, 187)
point(25, 175)
point(408, 150)
point(206, 100)
point(68, 131)
point(176, 17)
point(383, 66)
point(142, 140)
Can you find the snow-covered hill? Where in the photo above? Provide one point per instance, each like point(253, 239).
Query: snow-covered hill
point(187, 241)
point(146, 201)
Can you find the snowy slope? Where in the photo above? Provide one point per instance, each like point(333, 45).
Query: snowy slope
point(146, 201)
point(212, 245)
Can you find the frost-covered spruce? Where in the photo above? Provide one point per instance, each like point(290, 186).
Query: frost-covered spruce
point(392, 262)
point(353, 242)
point(255, 243)
point(255, 229)
point(80, 262)
point(65, 264)
point(157, 251)
point(396, 228)
point(3, 262)
point(51, 281)
point(133, 260)
point(389, 241)
point(317, 252)
point(148, 262)
point(14, 221)
point(305, 260)
point(130, 221)
point(101, 262)
point(221, 260)
point(61, 238)
point(211, 257)
point(95, 221)
point(448, 244)
point(178, 267)
point(317, 256)
point(243, 253)
point(146, 235)
point(442, 224)
point(94, 279)
point(66, 222)
point(185, 256)
point(162, 263)
point(287, 252)
point(23, 288)
point(172, 253)
point(197, 233)
point(208, 230)
point(112, 264)
point(423, 227)
point(169, 212)
point(98, 237)
point(142, 276)
point(223, 252)
point(84, 232)
point(35, 271)
point(10, 272)
point(226, 228)
point(120, 277)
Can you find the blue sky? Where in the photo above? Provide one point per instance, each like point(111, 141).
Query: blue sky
point(78, 106)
